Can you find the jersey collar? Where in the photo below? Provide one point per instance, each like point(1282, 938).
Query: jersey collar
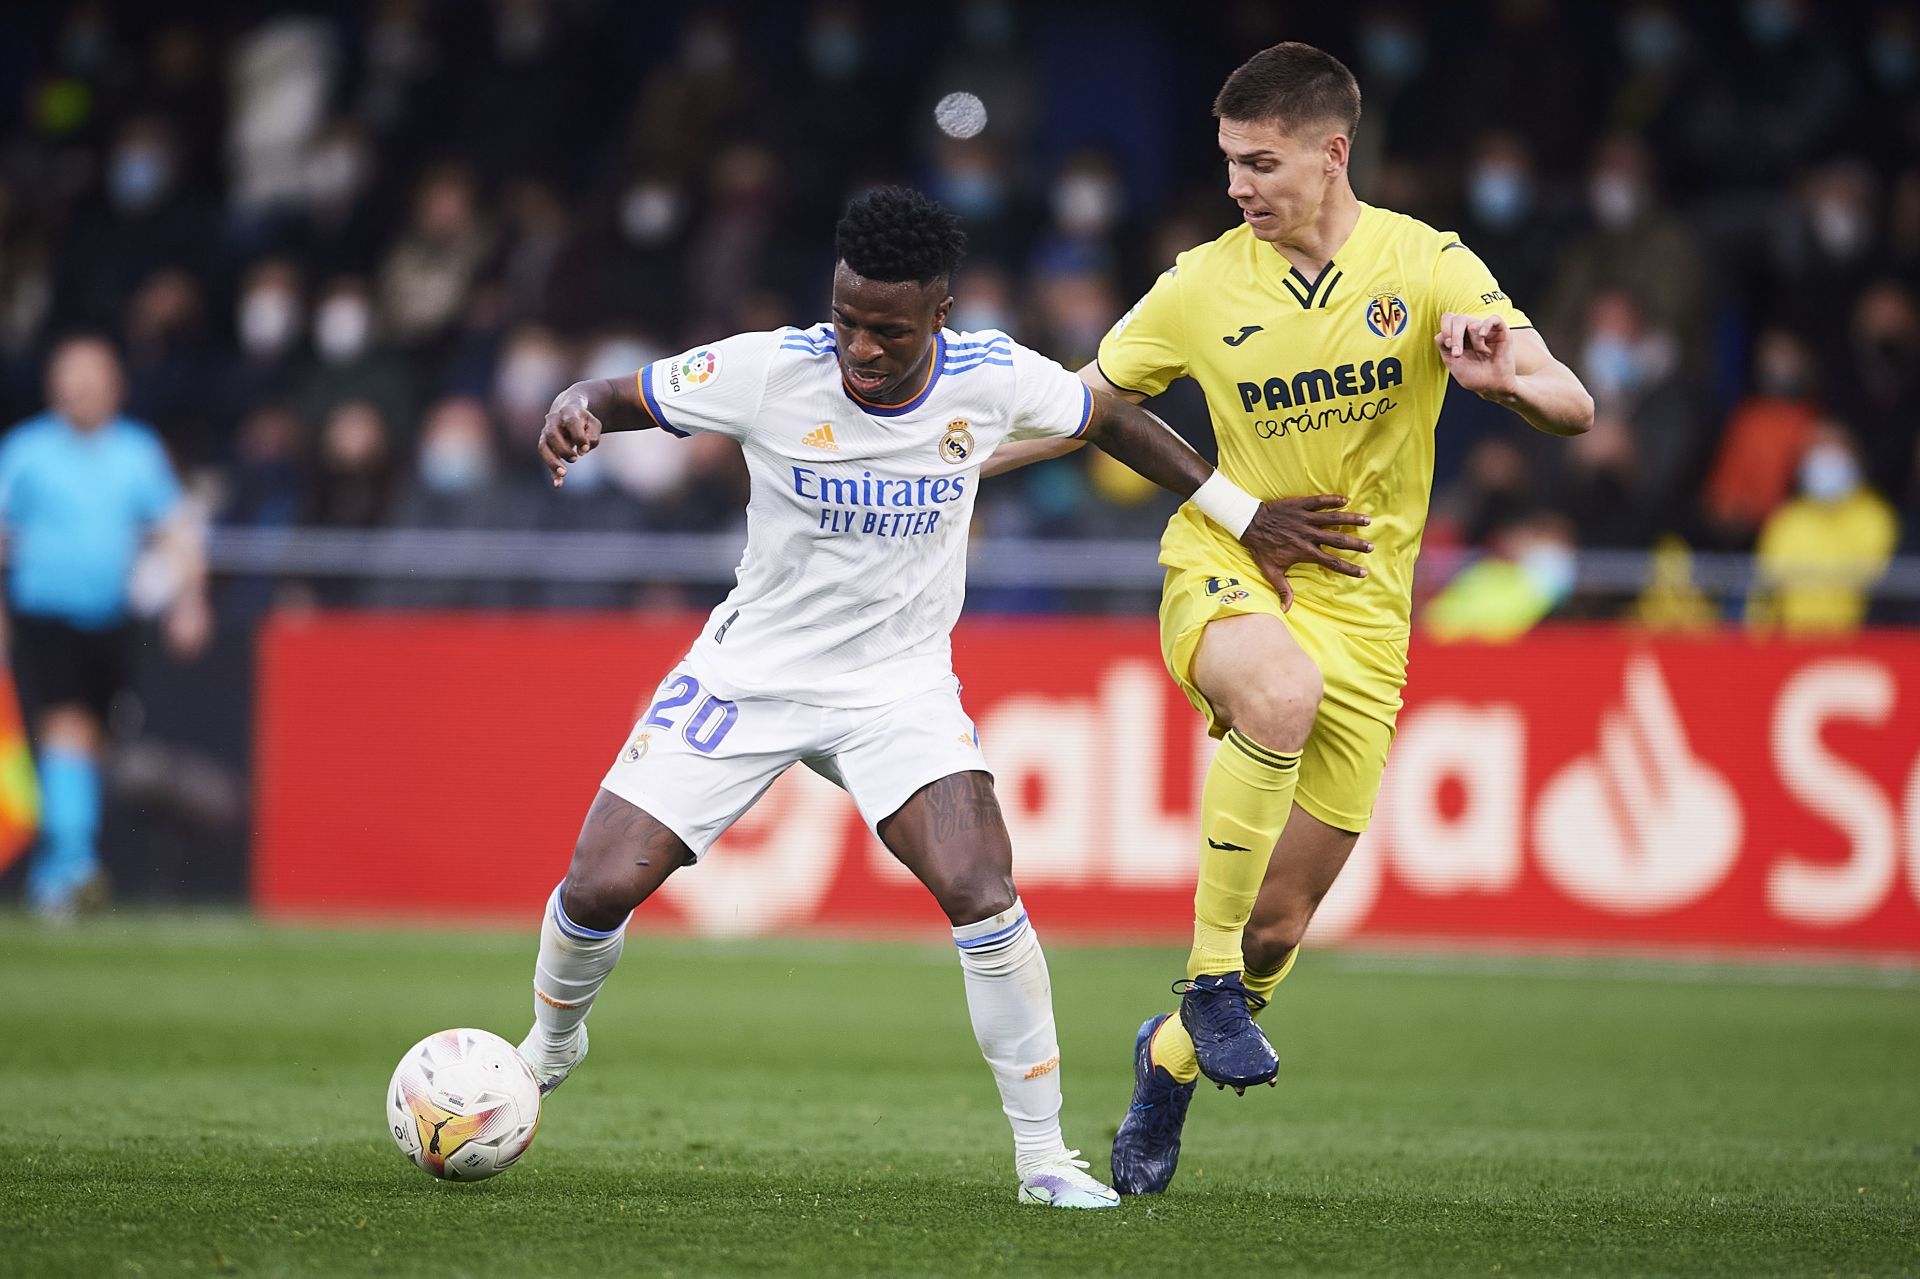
point(896, 410)
point(1314, 294)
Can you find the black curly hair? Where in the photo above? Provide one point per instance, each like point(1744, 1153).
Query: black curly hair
point(894, 234)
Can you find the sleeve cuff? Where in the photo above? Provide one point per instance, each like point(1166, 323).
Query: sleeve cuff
point(1086, 411)
point(1118, 386)
point(652, 402)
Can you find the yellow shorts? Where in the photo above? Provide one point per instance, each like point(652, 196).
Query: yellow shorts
point(1345, 754)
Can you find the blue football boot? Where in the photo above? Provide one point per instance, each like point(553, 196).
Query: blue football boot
point(1230, 1048)
point(1146, 1150)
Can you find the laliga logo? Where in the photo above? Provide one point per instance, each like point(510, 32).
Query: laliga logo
point(1387, 316)
point(1642, 824)
point(698, 369)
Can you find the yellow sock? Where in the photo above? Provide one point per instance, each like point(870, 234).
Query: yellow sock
point(1172, 1047)
point(1261, 984)
point(1243, 809)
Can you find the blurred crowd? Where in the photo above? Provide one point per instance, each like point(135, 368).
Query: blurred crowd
point(350, 251)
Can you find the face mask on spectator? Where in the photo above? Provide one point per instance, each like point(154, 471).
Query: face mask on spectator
point(1770, 22)
point(649, 212)
point(1895, 62)
point(342, 328)
point(333, 172)
point(454, 465)
point(588, 475)
point(1616, 200)
point(86, 47)
point(1782, 379)
point(708, 51)
point(1828, 473)
point(834, 50)
point(987, 23)
point(617, 358)
point(1390, 50)
point(1652, 40)
point(1086, 203)
point(1500, 195)
point(1551, 568)
point(527, 382)
point(972, 319)
point(269, 321)
point(1840, 228)
point(138, 176)
point(649, 465)
point(1614, 365)
point(972, 193)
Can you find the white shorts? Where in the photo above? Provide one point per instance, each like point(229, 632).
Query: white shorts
point(696, 762)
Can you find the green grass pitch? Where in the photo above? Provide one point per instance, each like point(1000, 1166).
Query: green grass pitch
point(195, 1096)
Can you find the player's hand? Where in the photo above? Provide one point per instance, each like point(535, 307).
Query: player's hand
point(569, 434)
point(1298, 530)
point(1478, 352)
point(187, 626)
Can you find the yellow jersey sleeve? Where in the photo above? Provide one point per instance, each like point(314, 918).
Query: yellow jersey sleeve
point(1146, 348)
point(1462, 283)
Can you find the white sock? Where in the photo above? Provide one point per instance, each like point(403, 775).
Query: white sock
point(573, 965)
point(1011, 1001)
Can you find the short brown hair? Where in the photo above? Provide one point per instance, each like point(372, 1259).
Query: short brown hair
point(1292, 83)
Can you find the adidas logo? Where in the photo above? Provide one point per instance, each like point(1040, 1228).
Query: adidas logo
point(822, 438)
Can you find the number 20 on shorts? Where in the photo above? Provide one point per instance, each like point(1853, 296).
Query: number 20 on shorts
point(706, 727)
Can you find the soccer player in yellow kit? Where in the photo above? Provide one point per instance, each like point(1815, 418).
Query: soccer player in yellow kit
point(1323, 331)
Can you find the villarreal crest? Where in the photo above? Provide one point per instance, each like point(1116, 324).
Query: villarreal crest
point(1387, 315)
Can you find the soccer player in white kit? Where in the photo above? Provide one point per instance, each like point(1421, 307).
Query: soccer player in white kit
point(864, 439)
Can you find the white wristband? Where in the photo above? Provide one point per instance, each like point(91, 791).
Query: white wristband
point(1226, 503)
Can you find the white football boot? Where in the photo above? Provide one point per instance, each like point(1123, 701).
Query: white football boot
point(1067, 1184)
point(551, 1066)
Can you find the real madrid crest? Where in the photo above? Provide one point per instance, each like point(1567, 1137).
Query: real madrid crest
point(956, 446)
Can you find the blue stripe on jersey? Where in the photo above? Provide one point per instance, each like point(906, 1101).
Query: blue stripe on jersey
point(963, 366)
point(990, 939)
point(810, 350)
point(653, 403)
point(1086, 411)
point(1002, 345)
point(811, 339)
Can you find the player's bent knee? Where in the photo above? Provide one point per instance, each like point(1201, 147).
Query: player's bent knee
point(596, 901)
point(622, 855)
point(1278, 708)
point(971, 900)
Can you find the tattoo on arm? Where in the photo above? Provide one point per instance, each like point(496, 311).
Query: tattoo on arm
point(1131, 435)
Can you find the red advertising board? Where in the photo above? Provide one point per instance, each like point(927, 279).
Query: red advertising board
point(1586, 787)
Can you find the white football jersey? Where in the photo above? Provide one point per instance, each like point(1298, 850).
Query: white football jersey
point(855, 566)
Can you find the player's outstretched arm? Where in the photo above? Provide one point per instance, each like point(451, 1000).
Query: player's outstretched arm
point(581, 413)
point(1278, 534)
point(1514, 369)
point(1019, 453)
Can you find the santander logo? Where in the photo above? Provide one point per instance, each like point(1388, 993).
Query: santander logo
point(1642, 824)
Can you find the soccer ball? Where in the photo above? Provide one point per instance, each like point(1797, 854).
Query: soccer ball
point(463, 1105)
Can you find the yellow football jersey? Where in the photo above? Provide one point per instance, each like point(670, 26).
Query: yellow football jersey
point(1314, 386)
